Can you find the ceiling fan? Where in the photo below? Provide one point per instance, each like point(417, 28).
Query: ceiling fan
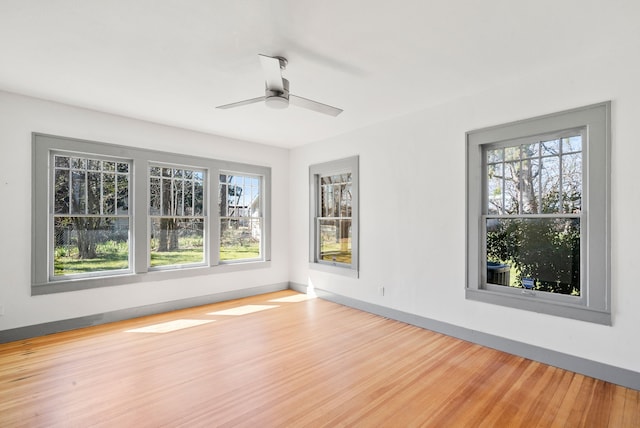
point(276, 93)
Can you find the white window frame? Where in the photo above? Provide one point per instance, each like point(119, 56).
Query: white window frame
point(206, 234)
point(41, 249)
point(594, 303)
point(341, 166)
point(261, 218)
point(53, 215)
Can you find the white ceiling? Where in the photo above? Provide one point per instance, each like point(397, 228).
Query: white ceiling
point(173, 61)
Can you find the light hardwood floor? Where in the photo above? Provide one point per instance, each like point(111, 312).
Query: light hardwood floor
point(292, 364)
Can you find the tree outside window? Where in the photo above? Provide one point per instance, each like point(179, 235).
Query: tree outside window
point(90, 215)
point(333, 240)
point(241, 216)
point(105, 214)
point(534, 204)
point(538, 214)
point(334, 222)
point(176, 208)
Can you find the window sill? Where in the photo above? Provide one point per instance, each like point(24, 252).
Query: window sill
point(76, 284)
point(531, 303)
point(224, 267)
point(335, 269)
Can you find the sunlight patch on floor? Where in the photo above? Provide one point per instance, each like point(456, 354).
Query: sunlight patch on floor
point(167, 327)
point(243, 310)
point(293, 299)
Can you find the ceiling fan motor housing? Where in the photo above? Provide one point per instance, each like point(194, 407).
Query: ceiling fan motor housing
point(277, 99)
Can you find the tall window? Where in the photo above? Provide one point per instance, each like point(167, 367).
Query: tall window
point(530, 186)
point(334, 219)
point(334, 222)
point(176, 208)
point(90, 217)
point(534, 208)
point(241, 216)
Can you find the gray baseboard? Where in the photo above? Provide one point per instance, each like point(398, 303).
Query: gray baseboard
point(605, 372)
point(28, 332)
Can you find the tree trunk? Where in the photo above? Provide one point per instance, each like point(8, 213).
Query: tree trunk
point(344, 235)
point(168, 239)
point(173, 236)
point(87, 242)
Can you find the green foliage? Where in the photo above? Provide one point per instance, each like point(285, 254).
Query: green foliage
point(113, 247)
point(184, 242)
point(547, 250)
point(190, 250)
point(178, 257)
point(238, 252)
point(237, 243)
point(337, 256)
point(335, 252)
point(61, 252)
point(110, 255)
point(113, 255)
point(191, 241)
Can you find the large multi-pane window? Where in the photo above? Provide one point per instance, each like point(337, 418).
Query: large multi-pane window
point(538, 214)
point(177, 215)
point(90, 218)
point(334, 215)
point(241, 216)
point(105, 214)
point(534, 210)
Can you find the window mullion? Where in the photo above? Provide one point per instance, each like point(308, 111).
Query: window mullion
point(539, 180)
point(182, 184)
point(101, 193)
point(86, 188)
point(69, 192)
point(504, 185)
point(520, 183)
point(560, 181)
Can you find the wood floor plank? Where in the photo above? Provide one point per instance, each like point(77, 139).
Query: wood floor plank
point(631, 415)
point(308, 363)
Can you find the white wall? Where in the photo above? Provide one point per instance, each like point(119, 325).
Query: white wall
point(19, 117)
point(412, 207)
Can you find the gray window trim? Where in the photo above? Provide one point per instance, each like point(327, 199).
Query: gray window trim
point(43, 144)
point(351, 165)
point(595, 304)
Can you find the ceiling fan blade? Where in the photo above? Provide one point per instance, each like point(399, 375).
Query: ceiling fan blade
point(314, 105)
point(242, 103)
point(272, 73)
